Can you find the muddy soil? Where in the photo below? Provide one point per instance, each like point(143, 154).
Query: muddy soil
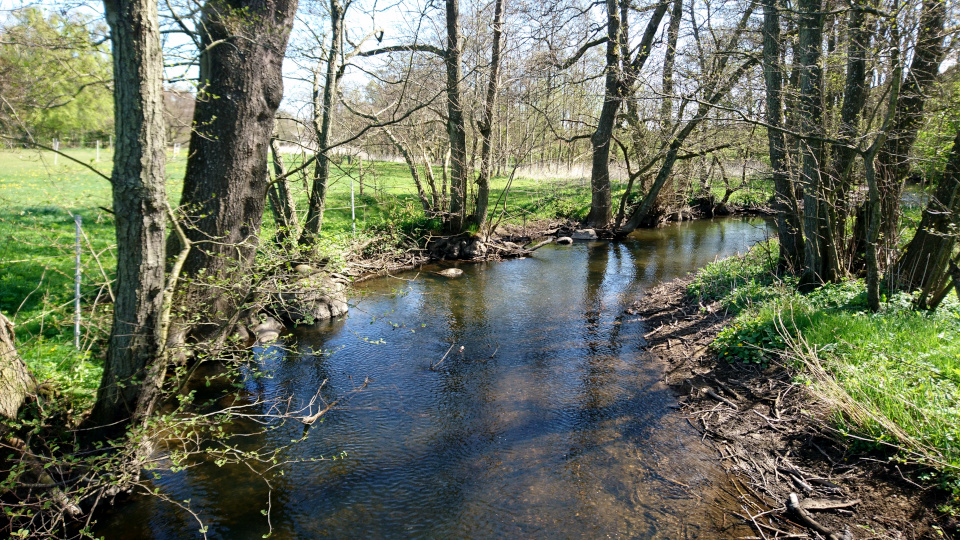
point(775, 439)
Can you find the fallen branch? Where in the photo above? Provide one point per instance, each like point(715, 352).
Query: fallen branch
point(793, 505)
point(711, 393)
point(827, 504)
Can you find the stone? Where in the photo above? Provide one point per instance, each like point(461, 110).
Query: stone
point(564, 241)
point(451, 272)
point(585, 234)
point(303, 269)
point(309, 300)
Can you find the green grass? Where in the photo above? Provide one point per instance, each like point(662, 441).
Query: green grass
point(38, 199)
point(900, 367)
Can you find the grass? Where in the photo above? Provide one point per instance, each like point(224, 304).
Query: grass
point(895, 374)
point(40, 197)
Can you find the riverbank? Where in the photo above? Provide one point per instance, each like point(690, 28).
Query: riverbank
point(777, 437)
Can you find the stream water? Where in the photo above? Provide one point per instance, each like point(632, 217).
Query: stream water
point(551, 422)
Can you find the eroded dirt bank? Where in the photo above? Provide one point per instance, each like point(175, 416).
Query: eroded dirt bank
point(774, 438)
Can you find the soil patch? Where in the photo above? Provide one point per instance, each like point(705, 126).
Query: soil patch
point(775, 440)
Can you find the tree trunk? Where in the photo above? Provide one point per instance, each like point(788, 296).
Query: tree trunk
point(923, 264)
point(412, 165)
point(669, 59)
point(322, 118)
point(620, 71)
point(893, 162)
point(854, 97)
point(788, 213)
point(139, 205)
point(819, 249)
point(455, 124)
point(282, 203)
point(486, 122)
point(642, 210)
point(15, 379)
point(225, 185)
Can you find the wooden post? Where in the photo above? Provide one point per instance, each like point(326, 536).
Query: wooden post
point(76, 293)
point(56, 147)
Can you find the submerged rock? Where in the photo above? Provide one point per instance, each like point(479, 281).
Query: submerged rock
point(564, 241)
point(451, 272)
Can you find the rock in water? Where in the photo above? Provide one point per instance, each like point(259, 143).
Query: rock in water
point(309, 300)
point(451, 272)
point(584, 234)
point(268, 330)
point(564, 241)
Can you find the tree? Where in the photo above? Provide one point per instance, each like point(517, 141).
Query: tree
point(785, 202)
point(54, 76)
point(140, 208)
point(322, 118)
point(820, 253)
point(620, 73)
point(15, 380)
point(924, 263)
point(893, 161)
point(486, 120)
point(225, 185)
point(456, 129)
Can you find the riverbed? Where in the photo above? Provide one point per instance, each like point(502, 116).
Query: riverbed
point(514, 401)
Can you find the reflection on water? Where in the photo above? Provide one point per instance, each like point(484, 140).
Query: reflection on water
point(551, 422)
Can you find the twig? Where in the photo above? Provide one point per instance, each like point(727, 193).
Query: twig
point(308, 420)
point(434, 367)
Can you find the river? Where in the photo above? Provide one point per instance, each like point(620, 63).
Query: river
point(547, 419)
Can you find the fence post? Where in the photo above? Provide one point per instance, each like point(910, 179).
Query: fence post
point(353, 208)
point(98, 150)
point(76, 292)
point(56, 148)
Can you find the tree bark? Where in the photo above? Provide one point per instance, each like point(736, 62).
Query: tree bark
point(486, 121)
point(16, 383)
point(785, 204)
point(139, 205)
point(618, 79)
point(893, 161)
point(456, 129)
point(322, 118)
point(923, 264)
point(225, 185)
point(282, 203)
point(819, 249)
point(854, 97)
point(669, 59)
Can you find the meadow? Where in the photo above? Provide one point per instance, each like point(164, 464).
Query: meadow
point(40, 195)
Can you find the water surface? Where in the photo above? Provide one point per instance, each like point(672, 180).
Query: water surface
point(550, 422)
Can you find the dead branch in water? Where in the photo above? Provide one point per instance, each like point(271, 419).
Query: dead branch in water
point(434, 367)
point(308, 420)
